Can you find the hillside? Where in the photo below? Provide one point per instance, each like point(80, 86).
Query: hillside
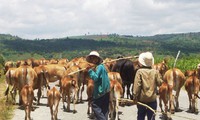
point(14, 48)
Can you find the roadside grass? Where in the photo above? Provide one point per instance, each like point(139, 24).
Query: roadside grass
point(6, 108)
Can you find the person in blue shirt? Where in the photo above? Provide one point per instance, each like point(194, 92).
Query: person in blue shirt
point(101, 94)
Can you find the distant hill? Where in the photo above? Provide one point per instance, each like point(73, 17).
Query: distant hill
point(15, 48)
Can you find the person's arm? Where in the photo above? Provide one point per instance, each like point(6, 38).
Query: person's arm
point(159, 80)
point(95, 75)
point(137, 85)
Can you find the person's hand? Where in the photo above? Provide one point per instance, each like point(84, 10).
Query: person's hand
point(88, 68)
point(135, 101)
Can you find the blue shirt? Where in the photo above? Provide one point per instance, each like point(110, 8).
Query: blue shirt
point(101, 81)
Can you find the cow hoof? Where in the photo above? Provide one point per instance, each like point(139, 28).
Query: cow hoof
point(74, 111)
point(173, 111)
point(68, 110)
point(196, 111)
point(178, 110)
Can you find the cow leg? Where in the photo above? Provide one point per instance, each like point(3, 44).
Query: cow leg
point(39, 93)
point(27, 112)
point(190, 98)
point(6, 92)
point(63, 99)
point(74, 100)
point(160, 103)
point(51, 110)
point(123, 86)
point(176, 99)
point(13, 93)
point(195, 104)
point(171, 100)
point(129, 95)
point(89, 106)
point(68, 102)
point(116, 109)
point(20, 98)
point(82, 89)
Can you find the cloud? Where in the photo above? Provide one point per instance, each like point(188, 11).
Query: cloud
point(61, 18)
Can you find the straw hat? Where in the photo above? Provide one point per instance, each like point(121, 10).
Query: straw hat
point(198, 66)
point(96, 54)
point(146, 59)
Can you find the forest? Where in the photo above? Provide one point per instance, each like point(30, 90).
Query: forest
point(112, 45)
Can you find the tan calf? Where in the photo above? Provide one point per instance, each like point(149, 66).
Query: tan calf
point(53, 97)
point(192, 88)
point(69, 89)
point(116, 92)
point(90, 89)
point(115, 76)
point(164, 97)
point(27, 95)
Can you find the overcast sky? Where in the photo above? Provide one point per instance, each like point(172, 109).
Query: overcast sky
point(61, 18)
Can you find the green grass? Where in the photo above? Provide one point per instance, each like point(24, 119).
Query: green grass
point(6, 108)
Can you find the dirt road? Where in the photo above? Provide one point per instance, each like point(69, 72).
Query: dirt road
point(42, 112)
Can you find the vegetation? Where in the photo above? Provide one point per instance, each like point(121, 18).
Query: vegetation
point(6, 108)
point(166, 45)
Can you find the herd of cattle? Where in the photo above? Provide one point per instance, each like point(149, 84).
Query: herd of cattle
point(25, 76)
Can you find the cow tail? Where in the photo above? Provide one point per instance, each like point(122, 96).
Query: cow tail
point(7, 89)
point(9, 76)
point(174, 78)
point(25, 76)
point(53, 95)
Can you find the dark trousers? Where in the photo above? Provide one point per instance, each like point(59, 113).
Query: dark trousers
point(143, 111)
point(100, 107)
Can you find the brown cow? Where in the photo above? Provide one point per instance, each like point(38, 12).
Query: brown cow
point(164, 97)
point(10, 81)
point(25, 75)
point(27, 95)
point(175, 79)
point(192, 87)
point(7, 65)
point(41, 82)
point(54, 72)
point(53, 61)
point(83, 77)
point(63, 61)
point(53, 97)
point(69, 89)
point(75, 61)
point(189, 73)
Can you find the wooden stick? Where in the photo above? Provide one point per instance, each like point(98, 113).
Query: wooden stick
point(132, 101)
point(176, 58)
point(102, 63)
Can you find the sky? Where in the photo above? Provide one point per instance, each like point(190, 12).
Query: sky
point(46, 19)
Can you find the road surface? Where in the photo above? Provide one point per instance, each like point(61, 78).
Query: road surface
point(42, 112)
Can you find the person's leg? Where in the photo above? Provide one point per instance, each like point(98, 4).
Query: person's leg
point(141, 112)
point(105, 105)
point(150, 114)
point(96, 107)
